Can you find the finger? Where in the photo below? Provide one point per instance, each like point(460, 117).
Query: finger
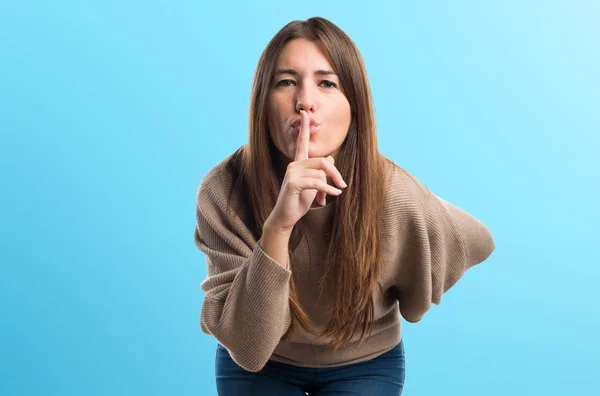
point(316, 173)
point(303, 142)
point(331, 160)
point(329, 168)
point(321, 196)
point(311, 183)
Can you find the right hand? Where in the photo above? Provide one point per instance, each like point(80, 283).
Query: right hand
point(304, 179)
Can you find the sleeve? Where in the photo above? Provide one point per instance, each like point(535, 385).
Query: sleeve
point(442, 242)
point(246, 303)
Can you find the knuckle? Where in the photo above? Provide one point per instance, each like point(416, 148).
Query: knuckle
point(293, 179)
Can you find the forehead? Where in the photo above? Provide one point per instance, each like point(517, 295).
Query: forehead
point(302, 54)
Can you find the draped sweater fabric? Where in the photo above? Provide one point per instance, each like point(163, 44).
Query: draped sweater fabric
point(427, 245)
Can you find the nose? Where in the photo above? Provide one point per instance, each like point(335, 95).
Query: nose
point(305, 100)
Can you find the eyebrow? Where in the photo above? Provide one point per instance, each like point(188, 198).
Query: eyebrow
point(295, 73)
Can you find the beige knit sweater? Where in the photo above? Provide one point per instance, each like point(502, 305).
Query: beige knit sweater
point(427, 245)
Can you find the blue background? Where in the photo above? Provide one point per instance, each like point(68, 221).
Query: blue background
point(112, 112)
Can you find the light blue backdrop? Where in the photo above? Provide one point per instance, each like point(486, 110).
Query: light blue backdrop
point(112, 112)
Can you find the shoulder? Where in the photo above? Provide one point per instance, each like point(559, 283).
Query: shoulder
point(215, 186)
point(404, 189)
point(217, 204)
point(411, 205)
point(219, 224)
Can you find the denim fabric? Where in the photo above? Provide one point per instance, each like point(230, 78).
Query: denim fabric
point(381, 376)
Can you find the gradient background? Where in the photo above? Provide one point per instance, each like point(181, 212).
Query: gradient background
point(112, 112)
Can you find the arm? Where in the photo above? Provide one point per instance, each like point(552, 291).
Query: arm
point(478, 240)
point(246, 303)
point(443, 241)
point(275, 243)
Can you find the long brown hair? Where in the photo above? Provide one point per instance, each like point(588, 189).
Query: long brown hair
point(354, 256)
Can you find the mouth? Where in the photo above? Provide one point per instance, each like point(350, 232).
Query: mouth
point(313, 123)
point(313, 129)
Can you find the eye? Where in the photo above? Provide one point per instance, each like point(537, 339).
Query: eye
point(329, 84)
point(284, 83)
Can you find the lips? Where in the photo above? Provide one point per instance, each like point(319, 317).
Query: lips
point(297, 123)
point(312, 130)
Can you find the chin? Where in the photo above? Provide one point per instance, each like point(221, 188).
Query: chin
point(315, 153)
point(319, 152)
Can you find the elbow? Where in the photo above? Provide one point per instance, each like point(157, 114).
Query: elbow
point(253, 368)
point(491, 246)
point(242, 361)
point(474, 234)
point(481, 248)
point(206, 329)
point(210, 317)
point(246, 357)
point(250, 353)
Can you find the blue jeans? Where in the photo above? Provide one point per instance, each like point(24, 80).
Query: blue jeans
point(381, 376)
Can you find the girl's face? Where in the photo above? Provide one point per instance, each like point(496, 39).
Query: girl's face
point(304, 79)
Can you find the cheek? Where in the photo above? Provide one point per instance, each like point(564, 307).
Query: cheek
point(273, 121)
point(276, 114)
point(276, 120)
point(342, 116)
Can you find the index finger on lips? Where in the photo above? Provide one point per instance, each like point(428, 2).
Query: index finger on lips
point(303, 142)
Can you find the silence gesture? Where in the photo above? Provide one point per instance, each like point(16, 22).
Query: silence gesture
point(305, 180)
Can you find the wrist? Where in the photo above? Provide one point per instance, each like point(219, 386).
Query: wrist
point(274, 242)
point(273, 228)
